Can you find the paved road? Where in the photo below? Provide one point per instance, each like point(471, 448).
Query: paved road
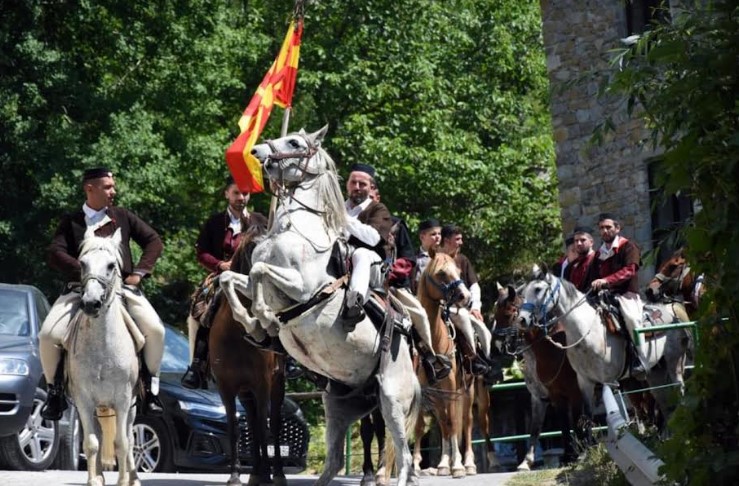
point(79, 478)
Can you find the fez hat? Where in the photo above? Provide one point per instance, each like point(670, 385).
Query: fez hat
point(96, 173)
point(428, 224)
point(366, 168)
point(582, 229)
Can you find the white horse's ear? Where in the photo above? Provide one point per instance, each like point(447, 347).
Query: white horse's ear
point(535, 271)
point(302, 132)
point(498, 286)
point(317, 137)
point(117, 238)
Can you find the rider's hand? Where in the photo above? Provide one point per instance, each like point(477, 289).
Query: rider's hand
point(133, 279)
point(223, 266)
point(477, 314)
point(599, 283)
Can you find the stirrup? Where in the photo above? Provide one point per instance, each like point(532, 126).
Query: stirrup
point(55, 405)
point(442, 366)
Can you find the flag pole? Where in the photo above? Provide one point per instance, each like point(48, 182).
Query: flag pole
point(273, 201)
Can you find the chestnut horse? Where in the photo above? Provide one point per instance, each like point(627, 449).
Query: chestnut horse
point(549, 377)
point(440, 286)
point(675, 283)
point(476, 398)
point(253, 375)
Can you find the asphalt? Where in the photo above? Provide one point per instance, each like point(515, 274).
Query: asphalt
point(79, 478)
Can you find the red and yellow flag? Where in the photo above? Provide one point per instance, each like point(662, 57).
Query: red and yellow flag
point(276, 88)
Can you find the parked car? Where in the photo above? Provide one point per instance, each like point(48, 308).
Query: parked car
point(191, 434)
point(27, 441)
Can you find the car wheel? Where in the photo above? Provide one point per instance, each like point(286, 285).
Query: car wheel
point(70, 438)
point(34, 447)
point(152, 450)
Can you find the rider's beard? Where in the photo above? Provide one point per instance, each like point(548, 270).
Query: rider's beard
point(358, 197)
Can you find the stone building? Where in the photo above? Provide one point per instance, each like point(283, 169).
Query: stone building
point(618, 175)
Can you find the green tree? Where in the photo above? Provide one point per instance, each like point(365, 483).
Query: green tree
point(682, 79)
point(447, 99)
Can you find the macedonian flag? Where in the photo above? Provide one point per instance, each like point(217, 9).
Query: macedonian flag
point(276, 88)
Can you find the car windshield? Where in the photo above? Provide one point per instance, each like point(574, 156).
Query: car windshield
point(14, 318)
point(176, 351)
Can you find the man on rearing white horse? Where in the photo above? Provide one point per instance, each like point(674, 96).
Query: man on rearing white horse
point(99, 214)
point(369, 226)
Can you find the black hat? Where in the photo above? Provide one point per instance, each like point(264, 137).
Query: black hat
point(96, 173)
point(569, 240)
point(230, 180)
point(449, 230)
point(610, 216)
point(428, 224)
point(582, 229)
point(366, 168)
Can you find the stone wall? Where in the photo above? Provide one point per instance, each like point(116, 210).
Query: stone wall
point(611, 177)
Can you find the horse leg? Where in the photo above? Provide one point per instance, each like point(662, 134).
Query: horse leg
point(367, 432)
point(91, 443)
point(122, 444)
point(287, 280)
point(230, 283)
point(258, 427)
point(538, 413)
point(587, 388)
point(418, 433)
point(133, 475)
point(232, 427)
point(469, 455)
point(379, 425)
point(340, 413)
point(277, 397)
point(482, 397)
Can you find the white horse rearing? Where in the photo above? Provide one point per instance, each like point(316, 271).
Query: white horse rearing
point(289, 268)
point(102, 363)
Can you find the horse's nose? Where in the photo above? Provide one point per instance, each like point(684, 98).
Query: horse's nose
point(91, 307)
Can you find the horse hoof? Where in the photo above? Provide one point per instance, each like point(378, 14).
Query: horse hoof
point(135, 482)
point(367, 482)
point(279, 480)
point(233, 481)
point(458, 473)
point(524, 466)
point(443, 471)
point(254, 480)
point(471, 470)
point(96, 481)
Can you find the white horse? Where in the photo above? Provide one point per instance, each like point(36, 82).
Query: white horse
point(597, 355)
point(290, 268)
point(102, 363)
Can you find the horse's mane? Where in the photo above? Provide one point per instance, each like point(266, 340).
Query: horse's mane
point(329, 192)
point(93, 243)
point(242, 256)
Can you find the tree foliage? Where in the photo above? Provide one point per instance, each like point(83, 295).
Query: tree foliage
point(682, 79)
point(447, 99)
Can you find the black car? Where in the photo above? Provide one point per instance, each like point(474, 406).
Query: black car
point(27, 441)
point(191, 434)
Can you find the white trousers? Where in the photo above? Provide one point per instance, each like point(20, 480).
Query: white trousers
point(366, 270)
point(56, 324)
point(469, 325)
point(419, 318)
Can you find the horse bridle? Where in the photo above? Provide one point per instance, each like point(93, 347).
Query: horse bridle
point(665, 280)
point(539, 312)
point(107, 284)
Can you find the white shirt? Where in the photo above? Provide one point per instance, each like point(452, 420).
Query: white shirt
point(95, 219)
point(361, 231)
point(235, 222)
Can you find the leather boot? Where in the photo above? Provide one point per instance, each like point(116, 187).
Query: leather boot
point(292, 368)
point(476, 365)
point(353, 311)
point(194, 378)
point(56, 402)
point(152, 406)
point(439, 364)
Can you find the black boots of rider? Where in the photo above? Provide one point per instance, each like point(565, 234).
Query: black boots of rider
point(436, 366)
point(292, 369)
point(195, 376)
point(353, 311)
point(56, 402)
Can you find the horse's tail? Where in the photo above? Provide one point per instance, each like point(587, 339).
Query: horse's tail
point(106, 417)
point(410, 424)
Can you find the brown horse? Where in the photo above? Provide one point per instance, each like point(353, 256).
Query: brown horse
point(549, 376)
point(256, 377)
point(675, 283)
point(440, 285)
point(371, 426)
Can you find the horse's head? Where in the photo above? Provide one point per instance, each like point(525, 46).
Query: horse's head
point(506, 306)
point(441, 281)
point(672, 281)
point(291, 159)
point(540, 296)
point(100, 264)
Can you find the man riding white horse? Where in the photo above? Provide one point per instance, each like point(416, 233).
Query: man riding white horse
point(99, 214)
point(369, 224)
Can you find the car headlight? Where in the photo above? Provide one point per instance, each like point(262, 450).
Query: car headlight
point(203, 409)
point(14, 366)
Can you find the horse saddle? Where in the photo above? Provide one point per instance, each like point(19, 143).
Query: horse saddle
point(382, 307)
point(607, 308)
